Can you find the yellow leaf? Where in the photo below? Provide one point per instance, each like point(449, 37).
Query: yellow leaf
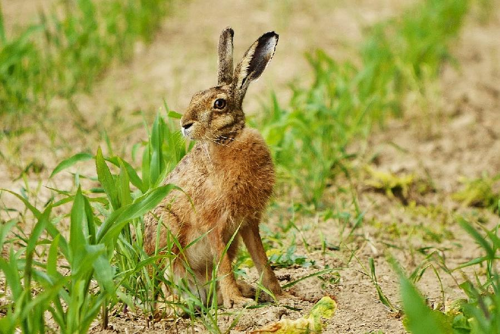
point(324, 309)
point(273, 251)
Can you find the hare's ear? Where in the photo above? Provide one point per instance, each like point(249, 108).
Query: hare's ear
point(254, 62)
point(225, 75)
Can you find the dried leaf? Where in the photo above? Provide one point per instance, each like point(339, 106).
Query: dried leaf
point(324, 309)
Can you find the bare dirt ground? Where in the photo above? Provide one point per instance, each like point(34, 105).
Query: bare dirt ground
point(457, 134)
point(19, 13)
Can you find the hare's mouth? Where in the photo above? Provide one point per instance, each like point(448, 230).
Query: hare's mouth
point(184, 132)
point(187, 129)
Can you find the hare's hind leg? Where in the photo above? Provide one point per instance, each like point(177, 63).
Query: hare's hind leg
point(231, 294)
point(253, 242)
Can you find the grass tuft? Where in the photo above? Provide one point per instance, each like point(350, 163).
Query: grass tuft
point(479, 192)
point(69, 48)
point(346, 100)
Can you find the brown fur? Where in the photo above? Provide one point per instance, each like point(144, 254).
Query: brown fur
point(225, 75)
point(228, 178)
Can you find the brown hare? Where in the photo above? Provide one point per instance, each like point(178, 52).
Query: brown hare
point(228, 177)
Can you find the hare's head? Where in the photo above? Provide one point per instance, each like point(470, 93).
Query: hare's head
point(216, 114)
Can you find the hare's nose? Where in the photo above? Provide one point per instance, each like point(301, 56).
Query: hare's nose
point(187, 125)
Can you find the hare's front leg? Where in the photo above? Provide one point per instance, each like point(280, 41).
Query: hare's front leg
point(231, 295)
point(253, 242)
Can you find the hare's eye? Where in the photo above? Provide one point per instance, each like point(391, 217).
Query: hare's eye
point(219, 104)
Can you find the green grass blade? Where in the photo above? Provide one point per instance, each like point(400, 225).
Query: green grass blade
point(478, 237)
point(9, 269)
point(106, 179)
point(146, 168)
point(54, 233)
point(157, 164)
point(34, 210)
point(38, 230)
point(76, 298)
point(123, 186)
point(421, 319)
point(5, 229)
point(41, 301)
point(115, 222)
point(77, 239)
point(174, 115)
point(104, 274)
point(381, 295)
point(318, 273)
point(134, 177)
point(90, 223)
point(28, 266)
point(70, 162)
point(52, 257)
point(91, 313)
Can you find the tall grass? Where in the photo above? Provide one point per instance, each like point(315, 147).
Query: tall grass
point(74, 276)
point(69, 48)
point(480, 311)
point(310, 136)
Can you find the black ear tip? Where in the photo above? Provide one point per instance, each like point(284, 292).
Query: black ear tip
point(269, 35)
point(228, 30)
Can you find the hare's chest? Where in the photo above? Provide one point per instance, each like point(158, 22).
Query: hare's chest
point(236, 180)
point(243, 192)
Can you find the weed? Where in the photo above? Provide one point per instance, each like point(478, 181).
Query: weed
point(479, 313)
point(288, 258)
point(391, 184)
point(381, 295)
point(312, 323)
point(479, 192)
point(100, 254)
point(69, 48)
point(345, 101)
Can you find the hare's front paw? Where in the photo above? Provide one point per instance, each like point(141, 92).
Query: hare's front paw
point(237, 300)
